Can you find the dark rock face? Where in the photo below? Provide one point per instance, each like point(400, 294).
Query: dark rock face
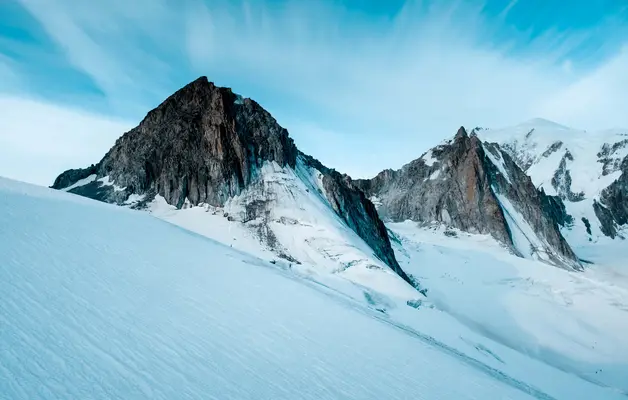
point(611, 164)
point(203, 143)
point(561, 181)
point(587, 224)
point(554, 147)
point(612, 210)
point(460, 197)
point(555, 208)
point(206, 144)
point(460, 183)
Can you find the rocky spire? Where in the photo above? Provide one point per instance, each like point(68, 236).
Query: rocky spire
point(461, 134)
point(203, 143)
point(477, 188)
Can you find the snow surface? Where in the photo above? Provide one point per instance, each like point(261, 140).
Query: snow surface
point(302, 222)
point(434, 175)
point(105, 302)
point(575, 321)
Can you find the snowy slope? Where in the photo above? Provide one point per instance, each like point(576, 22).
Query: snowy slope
point(575, 321)
point(531, 145)
point(298, 226)
point(104, 302)
point(548, 152)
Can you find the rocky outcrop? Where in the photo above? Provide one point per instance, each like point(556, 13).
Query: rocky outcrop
point(554, 147)
point(612, 209)
point(477, 188)
point(608, 156)
point(205, 144)
point(561, 181)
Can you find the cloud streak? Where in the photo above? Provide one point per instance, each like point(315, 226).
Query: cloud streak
point(358, 92)
point(39, 140)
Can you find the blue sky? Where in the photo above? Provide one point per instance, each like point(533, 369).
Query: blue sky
point(361, 85)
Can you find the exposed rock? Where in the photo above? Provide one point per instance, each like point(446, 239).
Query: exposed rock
point(554, 147)
point(561, 181)
point(358, 212)
point(606, 156)
point(555, 208)
point(202, 143)
point(612, 210)
point(587, 224)
point(462, 189)
point(205, 144)
point(608, 226)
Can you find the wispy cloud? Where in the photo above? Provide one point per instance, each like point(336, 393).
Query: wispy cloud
point(358, 91)
point(40, 140)
point(10, 80)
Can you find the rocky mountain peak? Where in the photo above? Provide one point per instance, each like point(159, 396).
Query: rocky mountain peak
point(203, 143)
point(461, 134)
point(206, 145)
point(475, 187)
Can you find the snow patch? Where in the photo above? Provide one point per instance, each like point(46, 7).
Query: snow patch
point(134, 199)
point(525, 240)
point(286, 213)
point(428, 158)
point(377, 202)
point(81, 182)
point(498, 161)
point(106, 181)
point(434, 175)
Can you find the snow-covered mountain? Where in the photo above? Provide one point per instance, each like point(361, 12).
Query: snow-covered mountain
point(104, 302)
point(587, 170)
point(476, 187)
point(207, 148)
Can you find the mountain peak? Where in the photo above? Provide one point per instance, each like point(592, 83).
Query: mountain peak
point(200, 144)
point(543, 123)
point(200, 84)
point(204, 145)
point(477, 188)
point(461, 134)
